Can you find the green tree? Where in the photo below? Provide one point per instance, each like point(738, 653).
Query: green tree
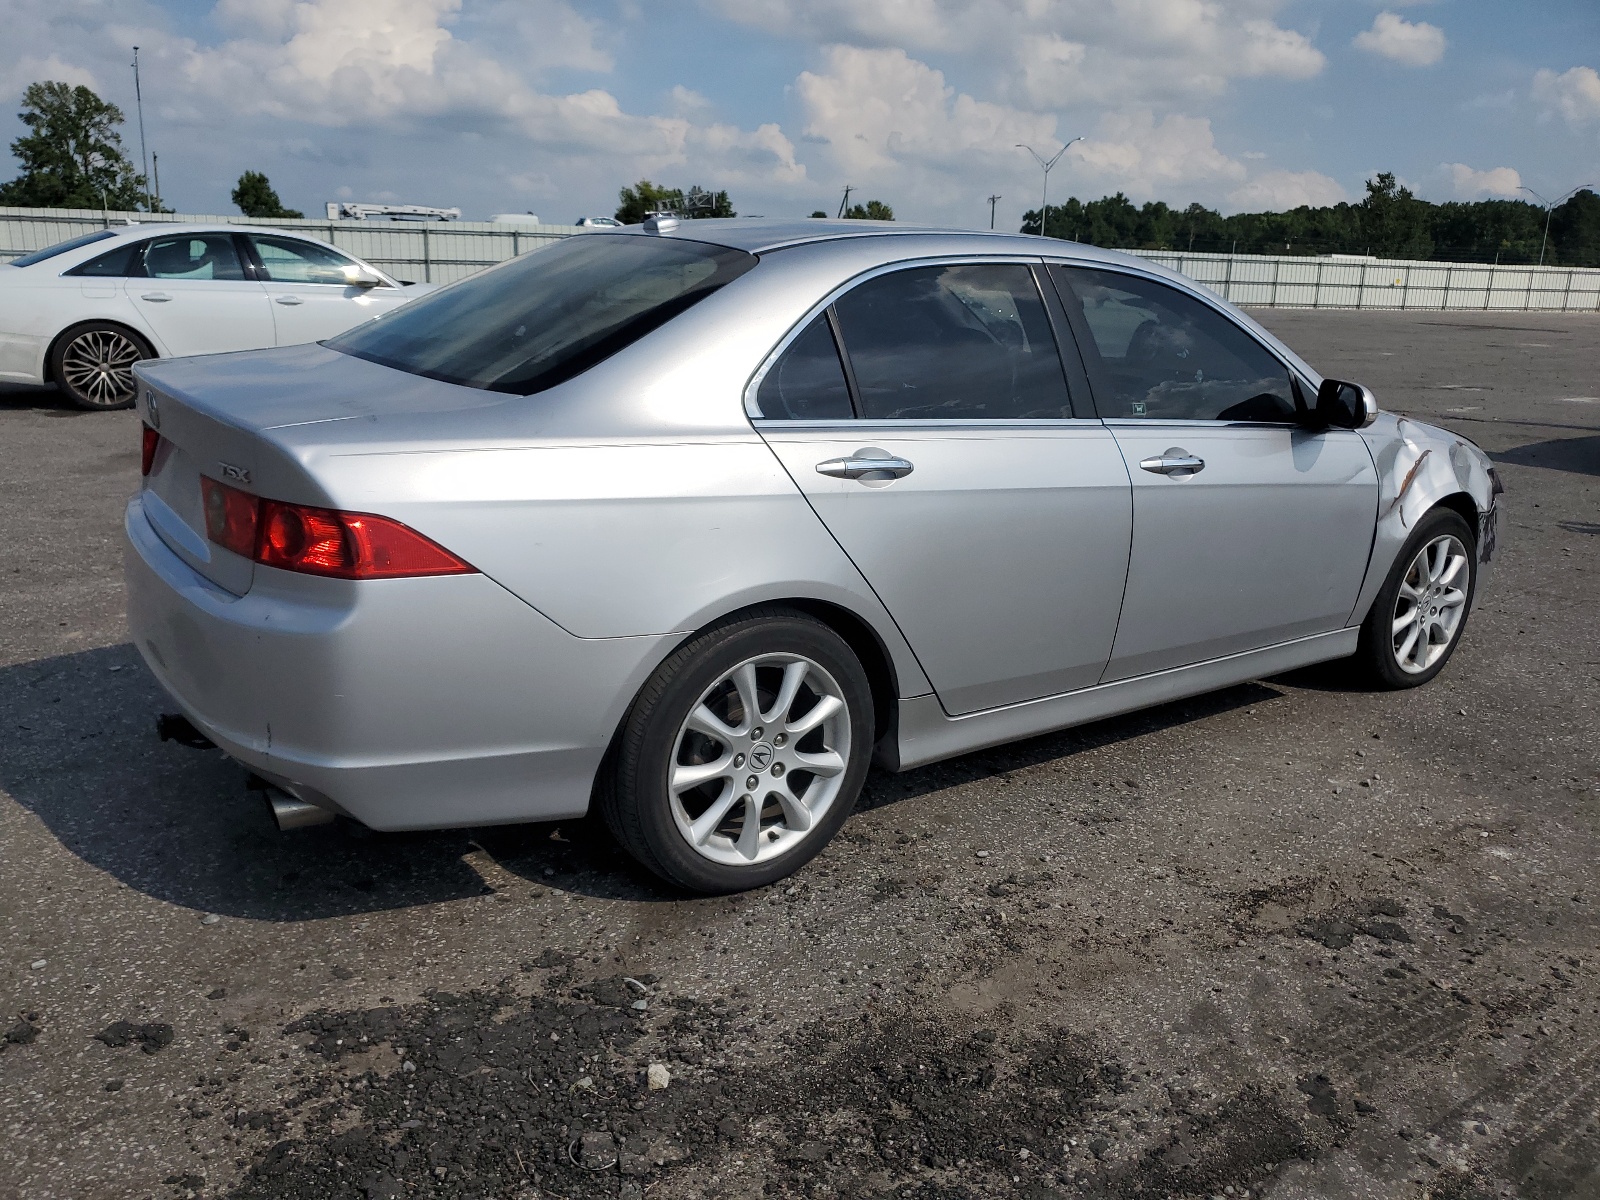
point(872, 210)
point(644, 198)
point(819, 213)
point(1394, 222)
point(254, 197)
point(72, 155)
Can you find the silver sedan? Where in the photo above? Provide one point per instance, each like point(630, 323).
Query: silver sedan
point(689, 523)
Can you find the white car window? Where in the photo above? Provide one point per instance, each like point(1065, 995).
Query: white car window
point(193, 256)
point(289, 260)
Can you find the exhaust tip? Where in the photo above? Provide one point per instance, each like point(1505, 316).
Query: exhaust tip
point(291, 813)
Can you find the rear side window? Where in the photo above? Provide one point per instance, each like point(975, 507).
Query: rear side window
point(969, 341)
point(124, 260)
point(193, 256)
point(808, 382)
point(548, 316)
point(27, 260)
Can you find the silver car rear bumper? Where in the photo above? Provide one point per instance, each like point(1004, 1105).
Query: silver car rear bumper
point(405, 703)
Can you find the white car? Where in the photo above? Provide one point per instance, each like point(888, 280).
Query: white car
point(598, 223)
point(80, 313)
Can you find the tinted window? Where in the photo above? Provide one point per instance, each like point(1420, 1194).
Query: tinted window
point(541, 319)
point(966, 342)
point(1167, 356)
point(807, 383)
point(124, 260)
point(192, 256)
point(27, 260)
point(289, 260)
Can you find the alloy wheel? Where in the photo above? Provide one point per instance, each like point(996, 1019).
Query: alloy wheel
point(760, 759)
point(98, 366)
point(1430, 604)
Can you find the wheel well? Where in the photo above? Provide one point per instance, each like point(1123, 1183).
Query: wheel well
point(1463, 504)
point(875, 660)
point(50, 351)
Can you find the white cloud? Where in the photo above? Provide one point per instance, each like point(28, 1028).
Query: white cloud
point(1575, 94)
point(1044, 54)
point(1470, 184)
point(1416, 44)
point(1137, 153)
point(1279, 191)
point(876, 109)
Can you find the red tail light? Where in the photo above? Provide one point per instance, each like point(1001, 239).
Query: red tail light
point(152, 439)
point(321, 541)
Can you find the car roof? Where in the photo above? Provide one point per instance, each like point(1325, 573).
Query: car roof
point(758, 235)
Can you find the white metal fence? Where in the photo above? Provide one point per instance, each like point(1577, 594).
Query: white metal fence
point(434, 252)
point(443, 251)
point(1272, 281)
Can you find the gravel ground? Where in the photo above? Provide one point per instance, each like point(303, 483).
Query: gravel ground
point(1293, 939)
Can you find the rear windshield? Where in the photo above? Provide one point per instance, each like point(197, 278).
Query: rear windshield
point(548, 316)
point(27, 260)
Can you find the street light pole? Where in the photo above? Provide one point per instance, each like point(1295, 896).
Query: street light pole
point(1550, 209)
point(1044, 204)
point(993, 200)
point(144, 155)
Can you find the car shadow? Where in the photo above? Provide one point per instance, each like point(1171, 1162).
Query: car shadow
point(1580, 455)
point(80, 753)
point(20, 397)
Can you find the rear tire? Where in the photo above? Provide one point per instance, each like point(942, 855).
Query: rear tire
point(92, 364)
point(743, 754)
point(1420, 613)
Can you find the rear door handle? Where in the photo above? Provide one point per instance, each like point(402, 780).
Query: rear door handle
point(155, 297)
point(864, 468)
point(288, 300)
point(1173, 462)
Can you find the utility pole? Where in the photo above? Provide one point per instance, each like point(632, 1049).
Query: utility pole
point(848, 188)
point(993, 200)
point(144, 156)
point(1549, 210)
point(155, 167)
point(1044, 205)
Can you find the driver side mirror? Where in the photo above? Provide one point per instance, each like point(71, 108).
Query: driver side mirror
point(1342, 405)
point(361, 277)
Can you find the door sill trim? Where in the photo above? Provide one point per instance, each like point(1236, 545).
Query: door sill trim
point(927, 734)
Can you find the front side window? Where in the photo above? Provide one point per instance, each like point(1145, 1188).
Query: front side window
point(968, 341)
point(192, 256)
point(289, 260)
point(1166, 356)
point(541, 319)
point(808, 382)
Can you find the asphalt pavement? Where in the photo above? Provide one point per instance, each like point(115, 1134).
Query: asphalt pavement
point(1292, 939)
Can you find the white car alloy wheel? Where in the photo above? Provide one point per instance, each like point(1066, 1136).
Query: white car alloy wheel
point(1430, 604)
point(760, 759)
point(96, 367)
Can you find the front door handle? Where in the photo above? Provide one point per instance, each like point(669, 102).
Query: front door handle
point(1175, 462)
point(288, 300)
point(866, 468)
point(155, 297)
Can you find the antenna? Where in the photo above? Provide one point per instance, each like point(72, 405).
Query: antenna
point(993, 200)
point(848, 188)
point(144, 157)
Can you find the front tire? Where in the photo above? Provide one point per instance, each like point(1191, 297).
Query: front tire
point(92, 364)
point(743, 754)
point(1417, 620)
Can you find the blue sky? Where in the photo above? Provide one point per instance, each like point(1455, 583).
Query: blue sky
point(552, 105)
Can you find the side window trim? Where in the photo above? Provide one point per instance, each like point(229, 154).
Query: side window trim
point(1080, 392)
point(752, 407)
point(246, 248)
point(844, 360)
point(1095, 367)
